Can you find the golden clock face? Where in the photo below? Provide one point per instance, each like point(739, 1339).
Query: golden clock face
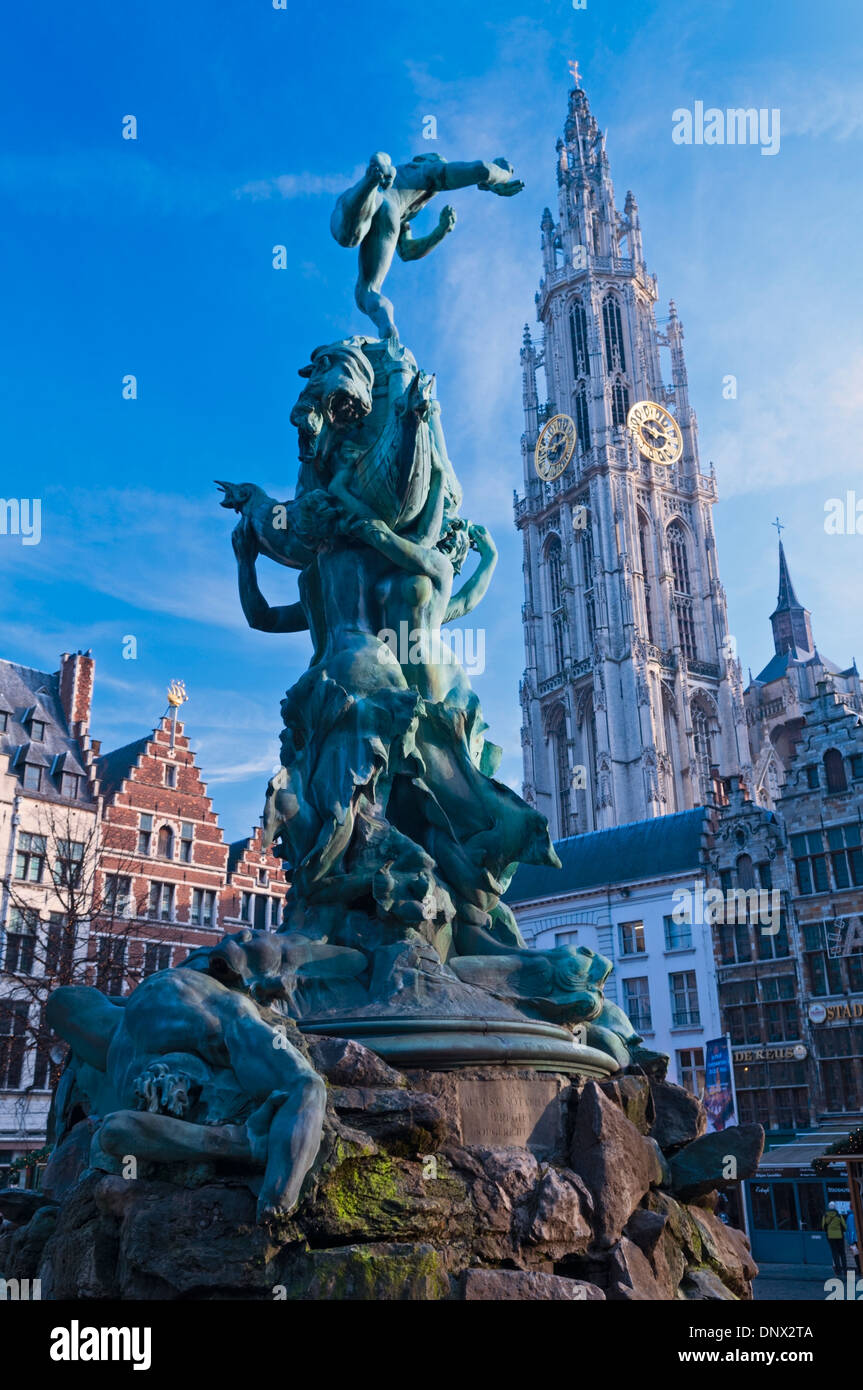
point(555, 447)
point(656, 433)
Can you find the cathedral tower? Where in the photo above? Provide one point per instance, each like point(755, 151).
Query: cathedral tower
point(631, 697)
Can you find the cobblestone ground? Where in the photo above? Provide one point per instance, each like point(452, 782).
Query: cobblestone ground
point(794, 1283)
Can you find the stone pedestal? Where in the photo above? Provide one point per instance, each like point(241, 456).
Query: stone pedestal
point(485, 1183)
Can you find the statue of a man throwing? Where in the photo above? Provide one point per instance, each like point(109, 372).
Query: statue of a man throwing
point(376, 213)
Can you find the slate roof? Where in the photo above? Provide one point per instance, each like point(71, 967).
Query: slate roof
point(641, 849)
point(22, 688)
point(114, 767)
point(778, 665)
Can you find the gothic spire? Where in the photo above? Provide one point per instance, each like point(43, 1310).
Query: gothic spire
point(791, 622)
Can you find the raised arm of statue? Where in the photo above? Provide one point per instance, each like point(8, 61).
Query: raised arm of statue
point(259, 614)
point(411, 248)
point(474, 589)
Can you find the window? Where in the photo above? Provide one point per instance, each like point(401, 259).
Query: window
point(562, 770)
point(679, 561)
point(773, 945)
point(170, 774)
point(619, 403)
point(145, 834)
point(4, 721)
point(739, 1002)
point(685, 1012)
point(846, 855)
point(582, 420)
point(161, 904)
point(60, 948)
point(166, 842)
point(37, 730)
point(578, 340)
point(118, 895)
point(810, 862)
point(157, 956)
point(856, 761)
point(834, 768)
point(812, 779)
point(690, 1069)
point(615, 357)
point(276, 917)
point(558, 624)
point(246, 907)
point(686, 628)
point(69, 785)
point(262, 877)
point(32, 777)
point(21, 927)
point(13, 1023)
point(111, 965)
point(561, 938)
point(69, 863)
point(781, 1018)
point(823, 971)
point(631, 938)
point(636, 1002)
point(553, 560)
point(678, 935)
point(187, 831)
point(203, 904)
point(30, 858)
point(644, 543)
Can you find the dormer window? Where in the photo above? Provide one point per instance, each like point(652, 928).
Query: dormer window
point(32, 777)
point(37, 730)
point(4, 721)
point(69, 785)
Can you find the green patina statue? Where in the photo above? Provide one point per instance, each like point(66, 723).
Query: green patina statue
point(376, 214)
point(397, 837)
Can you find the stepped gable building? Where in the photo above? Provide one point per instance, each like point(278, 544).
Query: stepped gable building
point(777, 698)
point(137, 829)
point(631, 697)
point(48, 812)
point(164, 859)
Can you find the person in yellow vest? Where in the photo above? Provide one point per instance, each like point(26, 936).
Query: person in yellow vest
point(833, 1225)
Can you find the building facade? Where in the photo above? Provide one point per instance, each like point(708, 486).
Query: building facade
point(631, 696)
point(112, 866)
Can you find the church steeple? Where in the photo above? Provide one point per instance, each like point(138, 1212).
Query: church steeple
point(791, 622)
point(631, 696)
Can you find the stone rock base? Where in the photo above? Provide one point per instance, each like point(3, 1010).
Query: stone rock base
point(400, 1206)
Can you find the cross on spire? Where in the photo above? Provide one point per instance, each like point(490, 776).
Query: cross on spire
point(573, 67)
point(779, 527)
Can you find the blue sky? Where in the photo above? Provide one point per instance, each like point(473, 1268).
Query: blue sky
point(154, 257)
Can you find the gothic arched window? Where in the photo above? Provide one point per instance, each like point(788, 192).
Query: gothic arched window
point(582, 418)
point(554, 560)
point(166, 842)
point(679, 561)
point(619, 403)
point(834, 767)
point(578, 339)
point(612, 324)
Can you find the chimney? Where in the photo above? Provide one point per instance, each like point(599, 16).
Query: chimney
point(76, 690)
